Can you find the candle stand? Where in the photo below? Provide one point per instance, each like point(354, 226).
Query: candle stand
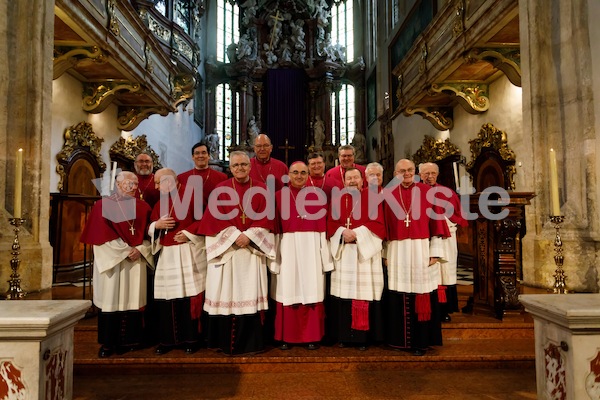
point(559, 274)
point(15, 291)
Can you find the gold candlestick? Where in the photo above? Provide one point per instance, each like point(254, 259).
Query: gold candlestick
point(15, 291)
point(559, 274)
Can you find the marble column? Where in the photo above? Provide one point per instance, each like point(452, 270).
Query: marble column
point(25, 122)
point(557, 53)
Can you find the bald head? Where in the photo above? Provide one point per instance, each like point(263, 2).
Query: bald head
point(405, 171)
point(165, 180)
point(429, 173)
point(262, 147)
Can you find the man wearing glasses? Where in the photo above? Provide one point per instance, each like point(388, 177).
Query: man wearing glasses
point(335, 176)
point(238, 243)
point(264, 165)
point(143, 169)
point(414, 249)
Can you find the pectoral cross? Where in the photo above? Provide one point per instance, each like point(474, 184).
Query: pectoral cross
point(243, 217)
point(287, 147)
point(348, 223)
point(141, 196)
point(132, 230)
point(276, 18)
point(407, 220)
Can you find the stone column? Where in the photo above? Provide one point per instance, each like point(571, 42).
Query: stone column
point(558, 112)
point(25, 122)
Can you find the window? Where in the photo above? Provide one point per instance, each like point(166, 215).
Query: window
point(228, 28)
point(178, 11)
point(226, 102)
point(227, 107)
point(347, 113)
point(342, 26)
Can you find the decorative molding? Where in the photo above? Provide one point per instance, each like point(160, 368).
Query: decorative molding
point(113, 22)
point(102, 94)
point(506, 59)
point(473, 97)
point(434, 150)
point(182, 88)
point(71, 57)
point(493, 138)
point(78, 138)
point(129, 119)
point(441, 118)
point(129, 149)
point(459, 21)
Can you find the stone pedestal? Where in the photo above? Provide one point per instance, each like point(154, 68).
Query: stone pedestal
point(567, 344)
point(36, 348)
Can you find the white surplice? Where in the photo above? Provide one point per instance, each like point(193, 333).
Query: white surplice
point(237, 277)
point(358, 271)
point(298, 270)
point(448, 268)
point(119, 284)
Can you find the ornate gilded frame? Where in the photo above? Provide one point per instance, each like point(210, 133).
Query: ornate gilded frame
point(124, 152)
point(80, 143)
point(493, 143)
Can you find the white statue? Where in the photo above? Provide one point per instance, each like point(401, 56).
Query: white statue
point(213, 145)
point(249, 12)
point(252, 130)
point(359, 142)
point(286, 51)
point(244, 47)
point(319, 131)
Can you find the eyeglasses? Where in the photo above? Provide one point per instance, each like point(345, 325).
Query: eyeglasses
point(262, 146)
point(144, 161)
point(240, 165)
point(298, 172)
point(403, 171)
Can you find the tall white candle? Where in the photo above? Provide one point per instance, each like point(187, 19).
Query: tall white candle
point(456, 180)
point(18, 184)
point(113, 176)
point(554, 199)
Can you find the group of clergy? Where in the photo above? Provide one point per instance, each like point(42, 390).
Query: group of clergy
point(335, 259)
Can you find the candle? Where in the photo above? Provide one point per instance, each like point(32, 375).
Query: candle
point(456, 181)
point(18, 184)
point(554, 202)
point(113, 176)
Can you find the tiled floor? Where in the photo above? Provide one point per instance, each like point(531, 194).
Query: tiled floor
point(464, 276)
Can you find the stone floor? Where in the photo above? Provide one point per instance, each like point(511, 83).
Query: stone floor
point(482, 358)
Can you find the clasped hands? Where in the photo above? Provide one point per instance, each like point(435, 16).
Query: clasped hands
point(166, 222)
point(349, 235)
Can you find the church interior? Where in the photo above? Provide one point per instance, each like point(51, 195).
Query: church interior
point(498, 93)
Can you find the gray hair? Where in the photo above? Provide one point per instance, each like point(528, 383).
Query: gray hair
point(375, 165)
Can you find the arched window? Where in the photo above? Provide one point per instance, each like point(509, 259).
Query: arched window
point(347, 113)
point(342, 32)
point(226, 103)
point(342, 26)
point(228, 27)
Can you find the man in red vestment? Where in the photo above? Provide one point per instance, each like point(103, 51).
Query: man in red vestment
point(146, 191)
point(335, 176)
point(238, 226)
point(180, 276)
point(116, 228)
point(413, 251)
point(354, 312)
point(263, 165)
point(447, 293)
point(209, 177)
point(316, 169)
point(298, 278)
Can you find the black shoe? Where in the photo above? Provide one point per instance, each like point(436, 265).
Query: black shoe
point(105, 351)
point(362, 347)
point(312, 346)
point(162, 349)
point(284, 346)
point(419, 352)
point(446, 318)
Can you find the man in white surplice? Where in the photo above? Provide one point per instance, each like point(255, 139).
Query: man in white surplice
point(298, 273)
point(354, 311)
point(116, 228)
point(180, 277)
point(239, 240)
